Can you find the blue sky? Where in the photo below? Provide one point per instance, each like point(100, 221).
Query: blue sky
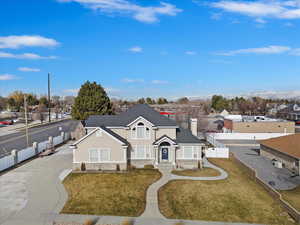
point(139, 48)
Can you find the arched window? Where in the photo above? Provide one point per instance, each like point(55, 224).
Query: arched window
point(140, 131)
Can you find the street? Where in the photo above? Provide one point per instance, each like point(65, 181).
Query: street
point(36, 134)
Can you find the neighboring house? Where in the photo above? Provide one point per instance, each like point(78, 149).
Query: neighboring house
point(257, 124)
point(138, 137)
point(284, 149)
point(291, 112)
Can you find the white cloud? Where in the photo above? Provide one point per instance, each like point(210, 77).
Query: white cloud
point(24, 56)
point(71, 91)
point(262, 9)
point(129, 80)
point(295, 51)
point(159, 82)
point(190, 53)
point(272, 49)
point(136, 49)
point(27, 69)
point(146, 14)
point(16, 42)
point(111, 90)
point(7, 77)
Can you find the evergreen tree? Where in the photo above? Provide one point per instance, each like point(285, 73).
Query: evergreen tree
point(91, 100)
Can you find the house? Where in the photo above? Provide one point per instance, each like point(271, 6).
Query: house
point(285, 150)
point(138, 137)
point(291, 112)
point(256, 124)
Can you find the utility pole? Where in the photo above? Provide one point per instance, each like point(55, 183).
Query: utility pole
point(26, 120)
point(49, 103)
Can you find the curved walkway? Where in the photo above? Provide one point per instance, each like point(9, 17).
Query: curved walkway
point(206, 164)
point(152, 209)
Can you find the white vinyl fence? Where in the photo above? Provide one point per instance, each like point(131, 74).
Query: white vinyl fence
point(58, 140)
point(6, 162)
point(27, 153)
point(244, 136)
point(43, 146)
point(217, 153)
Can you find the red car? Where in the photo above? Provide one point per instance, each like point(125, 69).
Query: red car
point(6, 122)
point(297, 122)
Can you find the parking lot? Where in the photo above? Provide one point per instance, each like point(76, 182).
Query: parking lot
point(280, 179)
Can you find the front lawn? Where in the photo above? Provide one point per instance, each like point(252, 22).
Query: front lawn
point(293, 197)
point(205, 172)
point(236, 199)
point(120, 194)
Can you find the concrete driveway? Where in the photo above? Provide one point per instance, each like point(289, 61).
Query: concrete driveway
point(281, 179)
point(32, 192)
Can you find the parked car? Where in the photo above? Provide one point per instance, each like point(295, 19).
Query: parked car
point(297, 122)
point(7, 122)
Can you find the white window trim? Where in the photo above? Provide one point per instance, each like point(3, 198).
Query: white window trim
point(147, 150)
point(99, 155)
point(194, 151)
point(134, 133)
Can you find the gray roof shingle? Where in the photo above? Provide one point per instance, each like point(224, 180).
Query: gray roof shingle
point(123, 119)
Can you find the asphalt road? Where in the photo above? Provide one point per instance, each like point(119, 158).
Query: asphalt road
point(36, 134)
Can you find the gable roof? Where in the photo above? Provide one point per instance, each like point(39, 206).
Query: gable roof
point(108, 131)
point(186, 136)
point(125, 118)
point(164, 137)
point(289, 145)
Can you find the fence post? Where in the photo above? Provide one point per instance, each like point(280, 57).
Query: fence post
point(50, 140)
point(62, 134)
point(35, 147)
point(14, 154)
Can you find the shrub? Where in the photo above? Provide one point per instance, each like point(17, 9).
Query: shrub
point(89, 222)
point(149, 166)
point(82, 167)
point(127, 222)
point(118, 167)
point(130, 167)
point(199, 165)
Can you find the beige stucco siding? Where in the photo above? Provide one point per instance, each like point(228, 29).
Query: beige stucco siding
point(121, 131)
point(263, 127)
point(81, 153)
point(170, 132)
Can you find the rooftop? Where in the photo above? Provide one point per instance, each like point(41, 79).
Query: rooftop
point(289, 144)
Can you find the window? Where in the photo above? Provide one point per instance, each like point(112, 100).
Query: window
point(188, 152)
point(94, 156)
point(141, 152)
point(104, 155)
point(99, 155)
point(140, 132)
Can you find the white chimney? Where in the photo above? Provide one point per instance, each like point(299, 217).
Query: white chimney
point(194, 126)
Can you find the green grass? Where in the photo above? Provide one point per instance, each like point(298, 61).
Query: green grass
point(293, 197)
point(235, 199)
point(120, 194)
point(205, 172)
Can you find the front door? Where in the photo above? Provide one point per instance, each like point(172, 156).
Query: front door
point(165, 154)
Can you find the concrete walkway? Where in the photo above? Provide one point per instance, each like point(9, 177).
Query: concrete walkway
point(152, 209)
point(32, 191)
